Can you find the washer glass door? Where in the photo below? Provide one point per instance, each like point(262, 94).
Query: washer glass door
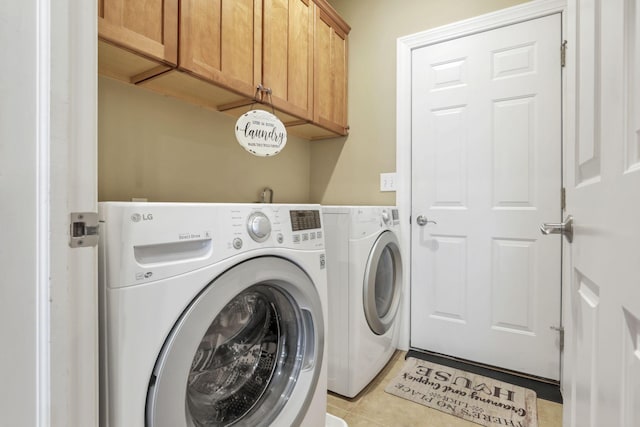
point(383, 283)
point(253, 358)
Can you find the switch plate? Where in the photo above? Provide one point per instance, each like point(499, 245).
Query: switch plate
point(388, 181)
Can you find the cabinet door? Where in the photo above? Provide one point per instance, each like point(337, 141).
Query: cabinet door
point(147, 27)
point(220, 42)
point(330, 80)
point(287, 59)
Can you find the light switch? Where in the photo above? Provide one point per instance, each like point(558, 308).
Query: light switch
point(388, 181)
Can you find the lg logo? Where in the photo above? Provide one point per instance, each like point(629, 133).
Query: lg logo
point(136, 217)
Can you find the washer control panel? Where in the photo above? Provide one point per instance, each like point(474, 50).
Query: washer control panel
point(287, 226)
point(308, 219)
point(153, 241)
point(305, 225)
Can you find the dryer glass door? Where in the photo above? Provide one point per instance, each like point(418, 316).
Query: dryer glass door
point(383, 283)
point(243, 352)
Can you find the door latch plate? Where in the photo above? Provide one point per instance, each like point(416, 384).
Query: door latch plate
point(83, 229)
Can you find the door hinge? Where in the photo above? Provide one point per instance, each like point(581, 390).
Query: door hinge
point(563, 198)
point(563, 54)
point(83, 229)
point(560, 331)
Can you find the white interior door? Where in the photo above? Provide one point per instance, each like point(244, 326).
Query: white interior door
point(601, 382)
point(48, 291)
point(486, 167)
point(22, 285)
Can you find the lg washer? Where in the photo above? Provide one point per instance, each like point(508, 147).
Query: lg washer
point(364, 268)
point(212, 315)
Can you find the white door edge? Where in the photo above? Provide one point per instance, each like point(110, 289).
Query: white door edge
point(43, 218)
point(73, 288)
point(404, 47)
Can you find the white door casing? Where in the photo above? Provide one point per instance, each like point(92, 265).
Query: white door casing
point(486, 151)
point(601, 381)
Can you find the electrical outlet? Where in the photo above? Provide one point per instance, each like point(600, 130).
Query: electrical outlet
point(388, 181)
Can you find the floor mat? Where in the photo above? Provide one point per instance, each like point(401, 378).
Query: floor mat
point(475, 398)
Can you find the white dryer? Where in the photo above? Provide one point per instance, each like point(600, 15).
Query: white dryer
point(212, 315)
point(364, 268)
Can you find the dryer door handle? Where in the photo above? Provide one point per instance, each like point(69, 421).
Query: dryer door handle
point(309, 340)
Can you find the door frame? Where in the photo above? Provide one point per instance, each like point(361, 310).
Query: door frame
point(405, 46)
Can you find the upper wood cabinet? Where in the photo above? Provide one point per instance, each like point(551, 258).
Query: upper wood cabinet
point(137, 38)
point(217, 42)
point(287, 55)
point(330, 57)
point(218, 52)
point(241, 44)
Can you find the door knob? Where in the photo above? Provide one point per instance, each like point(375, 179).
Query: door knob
point(565, 228)
point(422, 221)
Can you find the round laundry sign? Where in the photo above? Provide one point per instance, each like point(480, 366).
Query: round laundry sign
point(261, 133)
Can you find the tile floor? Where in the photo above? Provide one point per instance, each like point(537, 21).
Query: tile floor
point(375, 408)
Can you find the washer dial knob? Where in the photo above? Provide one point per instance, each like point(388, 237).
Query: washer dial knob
point(259, 226)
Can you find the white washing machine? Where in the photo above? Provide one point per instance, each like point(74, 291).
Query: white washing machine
point(212, 315)
point(364, 268)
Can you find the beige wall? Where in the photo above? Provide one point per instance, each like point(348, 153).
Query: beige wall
point(164, 149)
point(347, 170)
